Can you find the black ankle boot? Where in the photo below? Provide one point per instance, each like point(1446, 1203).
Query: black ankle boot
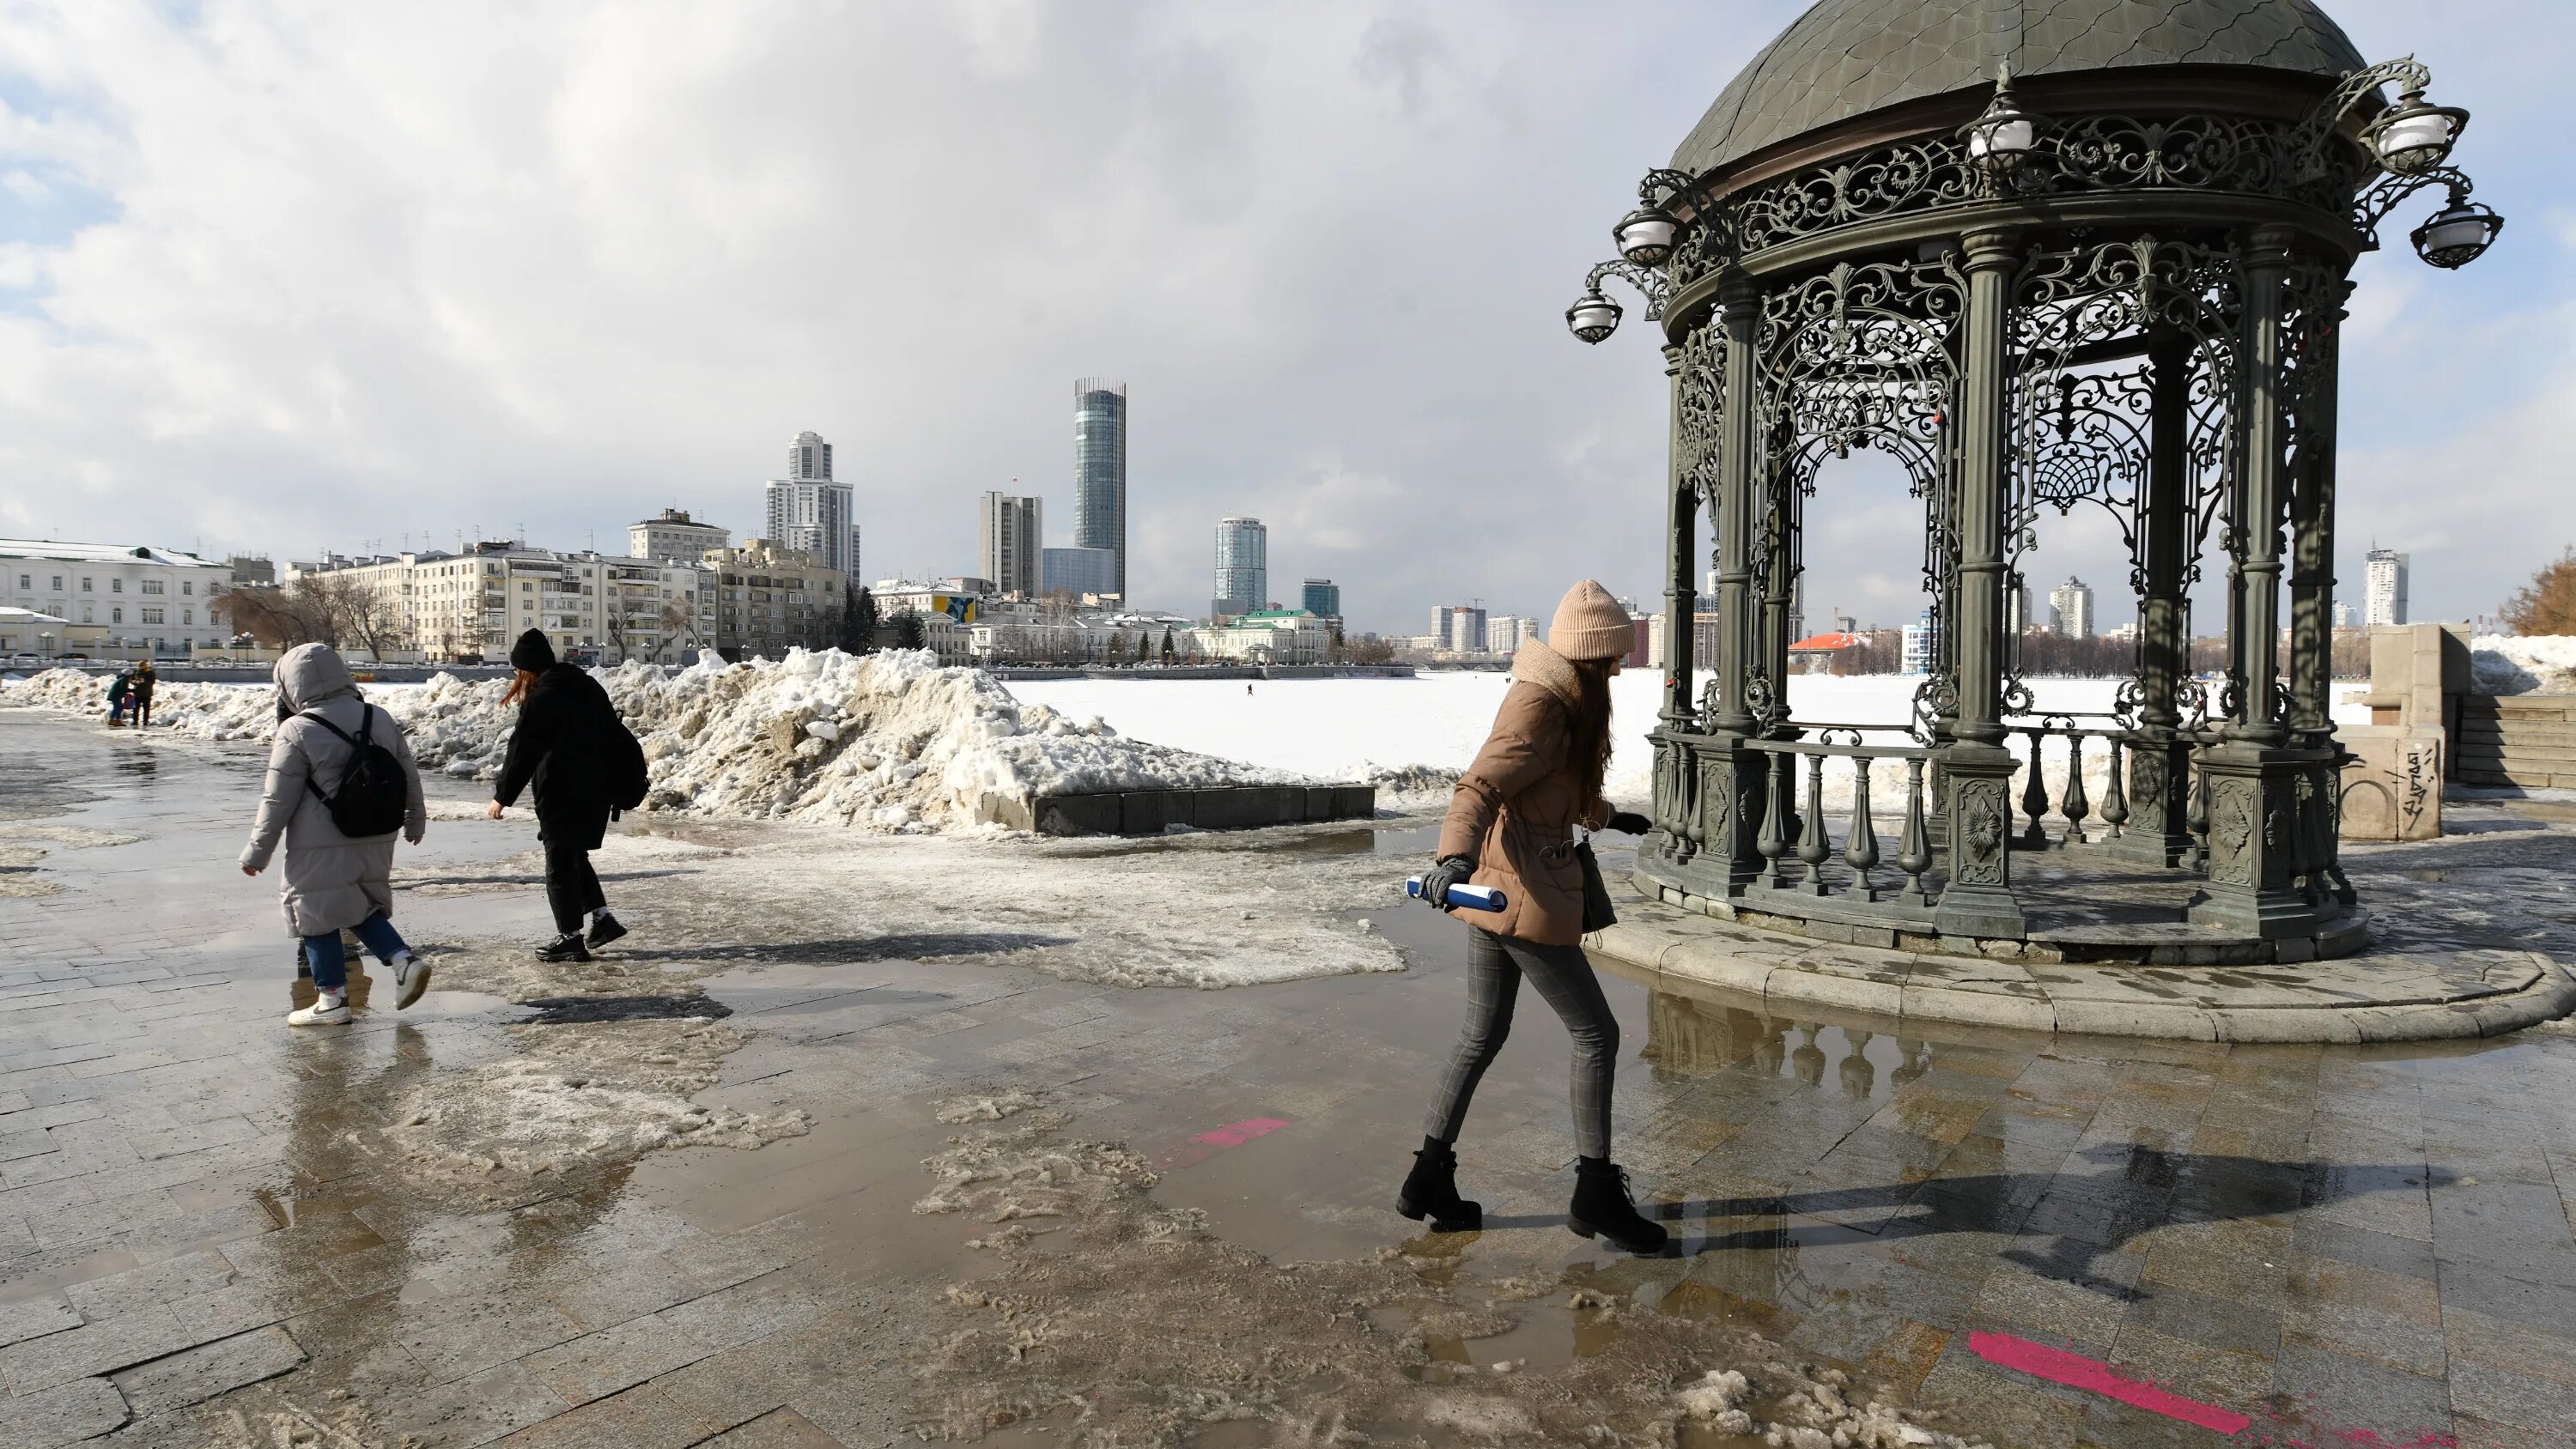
point(1601, 1206)
point(1431, 1190)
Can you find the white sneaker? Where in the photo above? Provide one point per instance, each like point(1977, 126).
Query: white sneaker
point(411, 978)
point(325, 1011)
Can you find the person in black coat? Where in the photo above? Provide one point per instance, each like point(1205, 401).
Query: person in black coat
point(560, 749)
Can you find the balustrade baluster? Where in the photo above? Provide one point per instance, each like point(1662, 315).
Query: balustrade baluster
point(2195, 817)
point(2115, 799)
point(2034, 799)
point(1914, 846)
point(2076, 804)
point(1860, 842)
point(1773, 843)
point(1813, 847)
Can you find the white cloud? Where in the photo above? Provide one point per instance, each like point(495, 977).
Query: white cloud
point(349, 273)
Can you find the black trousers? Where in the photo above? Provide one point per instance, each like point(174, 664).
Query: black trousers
point(572, 887)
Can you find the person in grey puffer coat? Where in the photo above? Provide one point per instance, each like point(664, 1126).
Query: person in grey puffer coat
point(332, 882)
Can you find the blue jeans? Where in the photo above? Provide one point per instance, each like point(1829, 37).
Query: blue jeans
point(331, 963)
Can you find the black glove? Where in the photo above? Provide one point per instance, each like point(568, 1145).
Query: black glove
point(1629, 822)
point(1438, 879)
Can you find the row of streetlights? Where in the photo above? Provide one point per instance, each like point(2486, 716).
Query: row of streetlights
point(2410, 140)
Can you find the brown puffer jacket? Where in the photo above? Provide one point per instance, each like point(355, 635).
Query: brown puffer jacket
point(1516, 807)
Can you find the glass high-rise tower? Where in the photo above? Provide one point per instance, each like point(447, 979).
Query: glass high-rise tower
point(1100, 471)
point(1242, 568)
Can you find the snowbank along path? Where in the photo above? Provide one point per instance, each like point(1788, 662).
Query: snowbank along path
point(890, 742)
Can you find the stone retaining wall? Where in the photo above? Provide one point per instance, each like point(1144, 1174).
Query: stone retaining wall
point(1151, 812)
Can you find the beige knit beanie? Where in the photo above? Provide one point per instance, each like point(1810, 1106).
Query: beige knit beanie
point(1591, 625)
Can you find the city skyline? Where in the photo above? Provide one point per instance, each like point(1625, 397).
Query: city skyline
point(1332, 348)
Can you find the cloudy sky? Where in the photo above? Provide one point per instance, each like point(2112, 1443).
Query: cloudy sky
point(282, 275)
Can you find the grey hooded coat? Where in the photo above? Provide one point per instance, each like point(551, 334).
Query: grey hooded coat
point(331, 881)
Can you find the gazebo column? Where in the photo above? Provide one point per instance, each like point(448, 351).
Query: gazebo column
point(2159, 756)
point(2254, 774)
point(1681, 526)
point(1675, 772)
point(1729, 794)
point(2312, 581)
point(1976, 768)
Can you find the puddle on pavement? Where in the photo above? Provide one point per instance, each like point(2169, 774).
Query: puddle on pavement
point(571, 1010)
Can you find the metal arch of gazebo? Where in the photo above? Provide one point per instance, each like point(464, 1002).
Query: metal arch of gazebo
point(2117, 298)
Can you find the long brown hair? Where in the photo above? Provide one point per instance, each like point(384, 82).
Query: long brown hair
point(519, 687)
point(1589, 752)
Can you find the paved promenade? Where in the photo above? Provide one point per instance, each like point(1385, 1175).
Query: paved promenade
point(806, 1161)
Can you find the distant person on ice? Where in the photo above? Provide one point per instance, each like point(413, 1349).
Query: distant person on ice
point(571, 747)
point(341, 783)
point(138, 691)
point(1511, 825)
point(119, 690)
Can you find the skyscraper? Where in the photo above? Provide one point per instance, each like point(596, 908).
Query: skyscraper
point(810, 513)
point(1006, 535)
point(1458, 628)
point(2384, 595)
point(1242, 567)
point(2072, 603)
point(1322, 598)
point(1100, 471)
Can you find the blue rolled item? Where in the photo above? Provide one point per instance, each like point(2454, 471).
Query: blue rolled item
point(1464, 897)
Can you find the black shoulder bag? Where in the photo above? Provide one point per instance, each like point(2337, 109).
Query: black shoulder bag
point(1597, 914)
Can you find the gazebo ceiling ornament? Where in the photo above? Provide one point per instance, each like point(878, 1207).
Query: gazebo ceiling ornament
point(2042, 255)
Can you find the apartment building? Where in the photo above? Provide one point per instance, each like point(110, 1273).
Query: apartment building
point(769, 600)
point(147, 602)
point(453, 607)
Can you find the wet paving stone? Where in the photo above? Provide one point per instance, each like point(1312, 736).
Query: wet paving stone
point(200, 1213)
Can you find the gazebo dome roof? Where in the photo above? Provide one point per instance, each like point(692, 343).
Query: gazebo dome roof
point(1846, 58)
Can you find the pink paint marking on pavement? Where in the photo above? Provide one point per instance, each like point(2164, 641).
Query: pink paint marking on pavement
point(1233, 1134)
point(2074, 1369)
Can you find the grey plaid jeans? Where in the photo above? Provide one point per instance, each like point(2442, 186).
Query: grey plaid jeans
point(1495, 966)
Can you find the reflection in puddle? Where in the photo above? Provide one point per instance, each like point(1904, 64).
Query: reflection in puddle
point(1688, 1037)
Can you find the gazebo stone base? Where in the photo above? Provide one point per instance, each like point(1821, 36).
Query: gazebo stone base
point(2077, 942)
point(2377, 995)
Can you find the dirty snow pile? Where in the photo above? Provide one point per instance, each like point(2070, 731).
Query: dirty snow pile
point(2513, 664)
point(1097, 1315)
point(886, 742)
point(890, 742)
point(193, 711)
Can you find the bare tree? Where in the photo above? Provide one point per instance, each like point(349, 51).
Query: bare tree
point(679, 628)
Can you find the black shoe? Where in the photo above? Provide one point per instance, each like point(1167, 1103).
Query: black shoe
point(604, 929)
point(1431, 1190)
point(1601, 1206)
point(566, 947)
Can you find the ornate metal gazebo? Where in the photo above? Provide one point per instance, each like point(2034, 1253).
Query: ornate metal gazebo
point(2047, 256)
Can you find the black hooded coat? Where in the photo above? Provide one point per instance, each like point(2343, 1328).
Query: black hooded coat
point(560, 748)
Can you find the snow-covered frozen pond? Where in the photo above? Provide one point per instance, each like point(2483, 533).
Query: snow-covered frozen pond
point(1336, 728)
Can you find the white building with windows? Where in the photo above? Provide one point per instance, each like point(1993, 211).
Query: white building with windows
point(2384, 587)
point(451, 607)
point(151, 602)
point(809, 513)
point(2072, 604)
point(675, 535)
point(1008, 542)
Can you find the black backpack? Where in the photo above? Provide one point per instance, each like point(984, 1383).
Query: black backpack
point(627, 779)
point(374, 795)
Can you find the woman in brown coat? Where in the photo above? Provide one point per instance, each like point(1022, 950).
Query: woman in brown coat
point(1511, 825)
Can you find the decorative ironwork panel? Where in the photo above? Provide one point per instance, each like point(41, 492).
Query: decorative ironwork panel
point(1853, 356)
point(2084, 155)
point(1978, 859)
point(2235, 814)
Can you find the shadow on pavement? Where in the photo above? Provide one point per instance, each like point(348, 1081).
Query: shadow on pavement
point(2083, 1217)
